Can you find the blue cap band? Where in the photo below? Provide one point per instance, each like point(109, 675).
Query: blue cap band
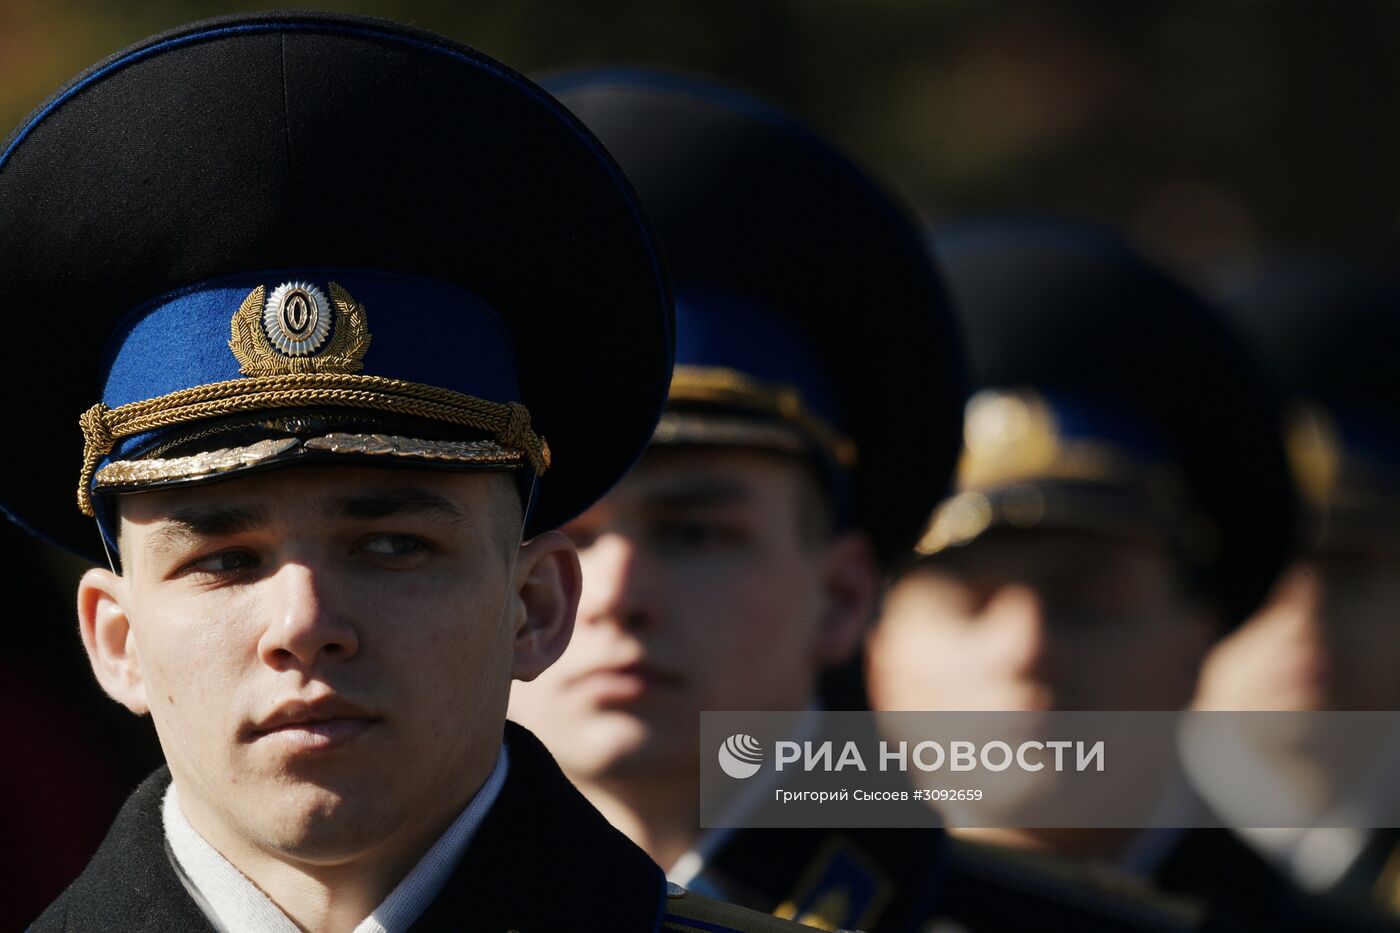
point(718, 330)
point(422, 331)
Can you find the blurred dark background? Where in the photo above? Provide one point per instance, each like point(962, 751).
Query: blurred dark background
point(1205, 127)
point(1210, 130)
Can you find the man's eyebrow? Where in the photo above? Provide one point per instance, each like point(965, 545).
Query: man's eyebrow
point(406, 500)
point(709, 492)
point(194, 522)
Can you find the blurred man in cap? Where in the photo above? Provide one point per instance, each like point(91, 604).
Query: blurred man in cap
point(739, 559)
point(1325, 639)
point(1122, 500)
point(320, 288)
point(813, 415)
point(1108, 414)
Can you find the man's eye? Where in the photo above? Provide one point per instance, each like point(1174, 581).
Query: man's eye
point(222, 563)
point(392, 546)
point(695, 535)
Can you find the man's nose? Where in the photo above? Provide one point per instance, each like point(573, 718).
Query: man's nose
point(1300, 598)
point(307, 625)
point(1016, 622)
point(619, 583)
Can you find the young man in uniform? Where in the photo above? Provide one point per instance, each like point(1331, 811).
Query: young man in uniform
point(817, 388)
point(349, 277)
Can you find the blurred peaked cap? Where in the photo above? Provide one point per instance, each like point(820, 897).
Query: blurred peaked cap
point(1325, 328)
point(1070, 310)
point(770, 230)
point(492, 247)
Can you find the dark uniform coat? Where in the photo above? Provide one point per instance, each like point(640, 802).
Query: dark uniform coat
point(914, 880)
point(1218, 866)
point(1374, 878)
point(1207, 880)
point(542, 861)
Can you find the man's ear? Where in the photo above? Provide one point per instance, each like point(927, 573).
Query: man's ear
point(110, 643)
point(548, 582)
point(850, 583)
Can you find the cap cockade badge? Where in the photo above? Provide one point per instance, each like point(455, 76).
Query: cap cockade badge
point(297, 330)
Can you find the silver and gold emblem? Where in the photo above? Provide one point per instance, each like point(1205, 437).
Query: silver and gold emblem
point(297, 318)
point(297, 329)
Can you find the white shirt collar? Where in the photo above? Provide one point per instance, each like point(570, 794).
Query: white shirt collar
point(232, 902)
point(707, 842)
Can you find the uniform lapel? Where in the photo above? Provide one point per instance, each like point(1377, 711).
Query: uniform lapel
point(545, 860)
point(130, 884)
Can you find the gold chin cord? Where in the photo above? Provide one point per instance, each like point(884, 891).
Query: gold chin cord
point(507, 422)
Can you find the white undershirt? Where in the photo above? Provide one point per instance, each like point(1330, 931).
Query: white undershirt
point(233, 903)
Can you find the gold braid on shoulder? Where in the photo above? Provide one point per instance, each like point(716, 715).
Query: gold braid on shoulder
point(508, 422)
point(720, 385)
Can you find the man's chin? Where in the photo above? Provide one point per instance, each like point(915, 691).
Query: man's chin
point(325, 828)
point(623, 745)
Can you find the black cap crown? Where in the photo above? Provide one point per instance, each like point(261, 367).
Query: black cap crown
point(797, 274)
point(1124, 399)
point(378, 203)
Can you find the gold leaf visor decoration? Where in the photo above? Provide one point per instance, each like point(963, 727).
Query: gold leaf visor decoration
point(508, 422)
point(213, 462)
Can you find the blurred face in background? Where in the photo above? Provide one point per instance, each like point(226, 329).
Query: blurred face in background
point(1325, 639)
point(1040, 620)
point(711, 581)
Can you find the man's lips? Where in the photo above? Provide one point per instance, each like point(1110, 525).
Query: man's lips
point(621, 682)
point(324, 722)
